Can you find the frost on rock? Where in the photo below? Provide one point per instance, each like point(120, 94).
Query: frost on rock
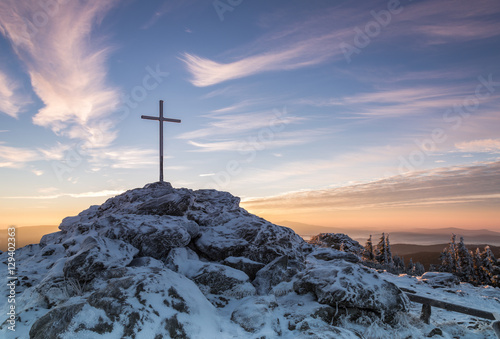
point(159, 262)
point(337, 241)
point(350, 287)
point(440, 279)
point(149, 304)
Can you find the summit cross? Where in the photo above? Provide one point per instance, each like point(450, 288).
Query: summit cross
point(161, 119)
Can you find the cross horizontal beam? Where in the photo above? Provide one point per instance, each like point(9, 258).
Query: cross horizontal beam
point(148, 117)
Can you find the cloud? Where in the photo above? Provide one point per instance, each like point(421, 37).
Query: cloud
point(103, 193)
point(479, 146)
point(317, 39)
point(236, 124)
point(453, 185)
point(16, 157)
point(56, 152)
point(11, 101)
point(286, 54)
point(67, 71)
point(459, 22)
point(396, 100)
point(123, 157)
point(266, 140)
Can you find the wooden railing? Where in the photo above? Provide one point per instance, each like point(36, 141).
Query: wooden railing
point(427, 303)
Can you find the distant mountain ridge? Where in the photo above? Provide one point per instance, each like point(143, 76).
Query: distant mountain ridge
point(418, 236)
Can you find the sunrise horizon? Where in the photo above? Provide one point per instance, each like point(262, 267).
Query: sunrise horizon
point(379, 114)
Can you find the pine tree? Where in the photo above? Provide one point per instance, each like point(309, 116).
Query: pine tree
point(448, 257)
point(410, 267)
point(481, 277)
point(368, 251)
point(381, 252)
point(418, 269)
point(388, 250)
point(465, 266)
point(399, 264)
point(490, 267)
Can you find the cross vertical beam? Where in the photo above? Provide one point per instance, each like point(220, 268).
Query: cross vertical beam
point(161, 140)
point(160, 119)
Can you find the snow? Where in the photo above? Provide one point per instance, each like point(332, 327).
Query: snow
point(164, 262)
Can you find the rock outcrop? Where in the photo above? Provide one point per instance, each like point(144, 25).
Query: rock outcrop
point(160, 262)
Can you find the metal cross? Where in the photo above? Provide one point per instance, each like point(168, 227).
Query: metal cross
point(161, 119)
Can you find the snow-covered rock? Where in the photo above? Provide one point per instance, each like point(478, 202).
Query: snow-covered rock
point(274, 273)
point(95, 255)
point(219, 279)
point(159, 262)
point(440, 279)
point(337, 241)
point(151, 303)
point(351, 287)
point(246, 265)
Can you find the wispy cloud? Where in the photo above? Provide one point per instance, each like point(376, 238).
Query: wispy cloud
point(16, 157)
point(271, 141)
point(56, 152)
point(452, 185)
point(103, 193)
point(461, 22)
point(123, 157)
point(317, 39)
point(67, 72)
point(11, 101)
point(479, 146)
point(395, 102)
point(275, 52)
point(236, 124)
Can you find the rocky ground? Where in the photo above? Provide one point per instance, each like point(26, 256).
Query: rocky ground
point(159, 262)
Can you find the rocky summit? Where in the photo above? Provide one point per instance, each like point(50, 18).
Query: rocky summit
point(159, 262)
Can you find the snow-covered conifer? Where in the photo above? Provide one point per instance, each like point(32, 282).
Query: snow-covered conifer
point(368, 251)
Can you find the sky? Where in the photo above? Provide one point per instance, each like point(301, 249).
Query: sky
point(335, 113)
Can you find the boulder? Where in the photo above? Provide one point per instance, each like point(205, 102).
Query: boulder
point(440, 279)
point(252, 238)
point(151, 303)
point(330, 254)
point(271, 275)
point(152, 235)
point(254, 314)
point(223, 280)
point(96, 255)
point(246, 265)
point(338, 241)
point(349, 286)
point(56, 322)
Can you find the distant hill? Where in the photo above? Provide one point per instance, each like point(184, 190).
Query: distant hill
point(418, 236)
point(26, 235)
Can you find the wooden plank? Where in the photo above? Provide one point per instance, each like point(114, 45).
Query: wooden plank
point(451, 307)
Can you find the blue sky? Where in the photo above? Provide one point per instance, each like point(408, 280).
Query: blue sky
point(275, 98)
